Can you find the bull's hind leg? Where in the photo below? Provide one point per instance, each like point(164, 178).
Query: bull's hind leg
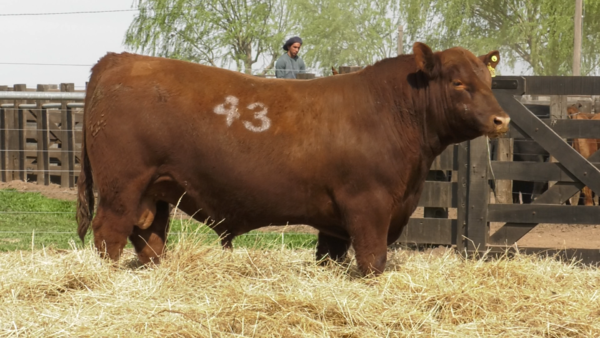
point(118, 213)
point(329, 247)
point(149, 243)
point(111, 227)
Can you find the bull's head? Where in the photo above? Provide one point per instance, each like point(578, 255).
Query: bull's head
point(465, 83)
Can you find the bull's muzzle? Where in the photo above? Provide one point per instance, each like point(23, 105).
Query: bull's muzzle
point(500, 125)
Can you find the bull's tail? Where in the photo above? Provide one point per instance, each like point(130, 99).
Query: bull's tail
point(85, 193)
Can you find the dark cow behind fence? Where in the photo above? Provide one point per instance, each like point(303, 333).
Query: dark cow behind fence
point(346, 154)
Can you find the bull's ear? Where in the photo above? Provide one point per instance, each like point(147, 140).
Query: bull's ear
point(491, 59)
point(427, 62)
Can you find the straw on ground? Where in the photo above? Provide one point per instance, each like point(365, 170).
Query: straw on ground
point(203, 291)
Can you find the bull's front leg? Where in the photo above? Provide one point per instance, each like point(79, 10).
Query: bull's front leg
point(368, 222)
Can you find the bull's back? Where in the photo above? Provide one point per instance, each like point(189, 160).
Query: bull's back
point(243, 116)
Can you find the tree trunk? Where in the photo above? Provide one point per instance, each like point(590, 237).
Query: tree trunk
point(248, 60)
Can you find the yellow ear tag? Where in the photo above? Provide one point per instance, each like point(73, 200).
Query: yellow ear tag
point(492, 70)
point(494, 58)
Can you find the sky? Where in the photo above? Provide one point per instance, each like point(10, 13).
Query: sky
point(79, 39)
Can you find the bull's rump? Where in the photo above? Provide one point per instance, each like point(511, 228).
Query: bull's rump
point(245, 147)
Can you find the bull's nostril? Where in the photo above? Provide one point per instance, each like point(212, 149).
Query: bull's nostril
point(499, 121)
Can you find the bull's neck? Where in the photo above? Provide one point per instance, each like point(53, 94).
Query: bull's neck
point(419, 102)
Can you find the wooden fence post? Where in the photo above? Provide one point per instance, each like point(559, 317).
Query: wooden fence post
point(461, 157)
point(558, 111)
point(67, 179)
point(504, 153)
point(3, 140)
point(478, 228)
point(67, 176)
point(43, 139)
point(17, 138)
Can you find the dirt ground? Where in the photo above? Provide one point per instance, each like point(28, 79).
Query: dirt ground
point(544, 235)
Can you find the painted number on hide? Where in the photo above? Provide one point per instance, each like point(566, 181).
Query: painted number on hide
point(230, 109)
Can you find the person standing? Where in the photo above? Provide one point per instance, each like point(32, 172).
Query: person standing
point(290, 64)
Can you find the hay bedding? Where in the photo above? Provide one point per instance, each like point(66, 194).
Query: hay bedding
point(203, 291)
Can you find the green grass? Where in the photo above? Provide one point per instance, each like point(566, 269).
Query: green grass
point(27, 218)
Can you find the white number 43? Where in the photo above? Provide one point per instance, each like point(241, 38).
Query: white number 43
point(230, 109)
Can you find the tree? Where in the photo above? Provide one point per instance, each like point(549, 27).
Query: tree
point(214, 32)
point(540, 33)
point(250, 33)
point(347, 32)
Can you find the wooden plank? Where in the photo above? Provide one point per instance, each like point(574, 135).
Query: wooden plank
point(18, 138)
point(3, 147)
point(4, 125)
point(445, 161)
point(562, 85)
point(429, 231)
point(549, 140)
point(22, 141)
point(54, 134)
point(563, 128)
point(12, 145)
point(438, 194)
point(436, 201)
point(504, 154)
point(67, 178)
point(510, 233)
point(438, 172)
point(3, 139)
point(78, 136)
point(533, 171)
point(43, 157)
point(478, 195)
point(558, 111)
point(43, 160)
point(68, 149)
point(462, 173)
point(544, 213)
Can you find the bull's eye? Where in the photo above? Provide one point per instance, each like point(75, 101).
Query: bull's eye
point(457, 83)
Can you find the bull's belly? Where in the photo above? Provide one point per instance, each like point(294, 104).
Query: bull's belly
point(238, 205)
point(239, 210)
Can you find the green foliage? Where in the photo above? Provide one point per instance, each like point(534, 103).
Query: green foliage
point(347, 32)
point(252, 32)
point(540, 33)
point(214, 32)
point(27, 218)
